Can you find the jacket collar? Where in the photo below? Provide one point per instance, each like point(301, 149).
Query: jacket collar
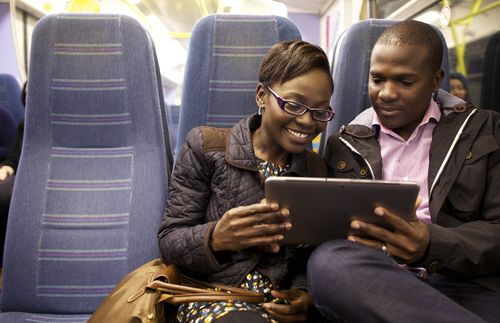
point(239, 149)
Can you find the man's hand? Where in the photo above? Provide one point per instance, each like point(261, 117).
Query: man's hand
point(296, 305)
point(408, 243)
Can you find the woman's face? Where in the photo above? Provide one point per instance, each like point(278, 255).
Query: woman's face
point(282, 131)
point(458, 89)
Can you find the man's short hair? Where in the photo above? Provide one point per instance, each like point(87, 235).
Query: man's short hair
point(412, 32)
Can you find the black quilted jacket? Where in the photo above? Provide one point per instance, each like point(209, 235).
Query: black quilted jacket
point(215, 172)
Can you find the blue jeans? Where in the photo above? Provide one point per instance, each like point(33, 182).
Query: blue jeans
point(353, 283)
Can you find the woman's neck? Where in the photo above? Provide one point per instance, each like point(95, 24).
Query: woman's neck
point(267, 150)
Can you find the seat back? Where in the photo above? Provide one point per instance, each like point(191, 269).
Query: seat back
point(173, 112)
point(350, 70)
point(10, 97)
point(91, 184)
point(222, 68)
point(167, 130)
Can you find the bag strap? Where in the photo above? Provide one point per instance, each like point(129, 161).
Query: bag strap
point(208, 297)
point(177, 294)
point(193, 290)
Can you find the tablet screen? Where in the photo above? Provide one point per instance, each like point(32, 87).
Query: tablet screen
point(321, 209)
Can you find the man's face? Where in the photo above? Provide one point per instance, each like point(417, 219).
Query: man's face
point(400, 85)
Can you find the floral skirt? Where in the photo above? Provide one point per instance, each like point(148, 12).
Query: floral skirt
point(208, 312)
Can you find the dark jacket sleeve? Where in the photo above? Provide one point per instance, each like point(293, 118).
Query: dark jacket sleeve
point(471, 248)
point(184, 234)
point(12, 159)
point(7, 133)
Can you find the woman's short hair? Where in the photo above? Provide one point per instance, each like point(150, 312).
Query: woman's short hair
point(289, 59)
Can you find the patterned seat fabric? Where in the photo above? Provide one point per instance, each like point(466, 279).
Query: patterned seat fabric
point(92, 180)
point(222, 68)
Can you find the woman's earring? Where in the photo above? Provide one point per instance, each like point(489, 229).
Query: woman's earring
point(260, 110)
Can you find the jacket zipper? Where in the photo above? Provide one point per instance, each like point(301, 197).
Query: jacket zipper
point(448, 154)
point(359, 154)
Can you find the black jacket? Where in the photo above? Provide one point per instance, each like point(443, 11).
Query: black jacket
point(12, 159)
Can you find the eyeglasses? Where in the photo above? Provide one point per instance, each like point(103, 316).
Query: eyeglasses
point(298, 109)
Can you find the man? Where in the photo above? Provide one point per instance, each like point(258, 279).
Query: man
point(444, 264)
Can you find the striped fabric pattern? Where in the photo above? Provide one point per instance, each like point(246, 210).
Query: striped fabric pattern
point(224, 120)
point(54, 220)
point(45, 318)
point(92, 183)
point(87, 49)
point(86, 185)
point(240, 51)
point(116, 152)
point(88, 85)
point(91, 165)
point(232, 86)
point(238, 47)
point(82, 255)
point(90, 119)
point(74, 291)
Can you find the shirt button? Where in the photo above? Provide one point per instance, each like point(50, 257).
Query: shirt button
point(434, 266)
point(469, 155)
point(341, 165)
point(363, 171)
point(459, 108)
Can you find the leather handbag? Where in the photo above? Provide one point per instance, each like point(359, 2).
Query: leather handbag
point(148, 293)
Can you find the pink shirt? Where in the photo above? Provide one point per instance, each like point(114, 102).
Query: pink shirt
point(408, 160)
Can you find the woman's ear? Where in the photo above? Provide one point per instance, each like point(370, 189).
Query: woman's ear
point(260, 95)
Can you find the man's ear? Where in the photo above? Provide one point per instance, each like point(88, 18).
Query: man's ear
point(260, 94)
point(437, 79)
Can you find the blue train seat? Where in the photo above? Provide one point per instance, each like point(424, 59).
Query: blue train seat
point(92, 180)
point(222, 68)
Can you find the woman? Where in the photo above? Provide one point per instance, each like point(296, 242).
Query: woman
point(217, 227)
point(459, 87)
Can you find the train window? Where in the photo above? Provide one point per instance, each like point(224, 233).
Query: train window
point(384, 8)
point(467, 26)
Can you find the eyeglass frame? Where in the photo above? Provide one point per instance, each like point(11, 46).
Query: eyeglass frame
point(282, 102)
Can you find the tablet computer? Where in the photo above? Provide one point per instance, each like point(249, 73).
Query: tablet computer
point(321, 209)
